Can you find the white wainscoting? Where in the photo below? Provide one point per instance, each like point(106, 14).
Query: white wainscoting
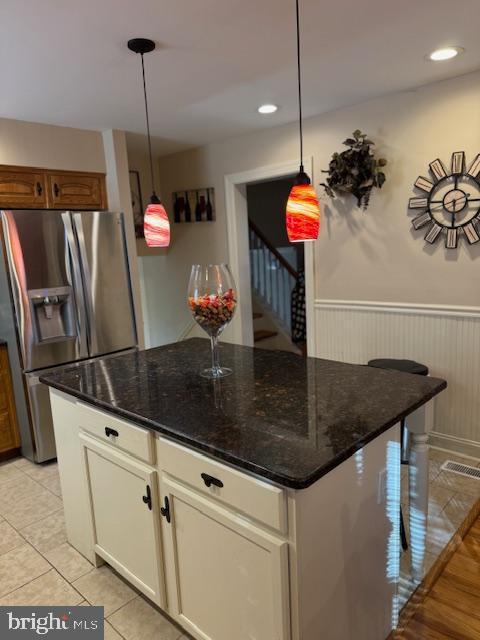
point(445, 338)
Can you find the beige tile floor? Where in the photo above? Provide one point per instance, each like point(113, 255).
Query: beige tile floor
point(38, 566)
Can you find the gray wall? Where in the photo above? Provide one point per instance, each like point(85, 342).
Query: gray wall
point(362, 256)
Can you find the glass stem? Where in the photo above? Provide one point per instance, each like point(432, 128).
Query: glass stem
point(215, 356)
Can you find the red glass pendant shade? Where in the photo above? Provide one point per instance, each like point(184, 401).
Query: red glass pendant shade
point(156, 226)
point(303, 213)
point(303, 209)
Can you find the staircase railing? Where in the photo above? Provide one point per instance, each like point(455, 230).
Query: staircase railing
point(272, 276)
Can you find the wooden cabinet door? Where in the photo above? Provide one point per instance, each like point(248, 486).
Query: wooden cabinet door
point(226, 578)
point(22, 188)
point(8, 437)
point(76, 190)
point(126, 518)
point(9, 434)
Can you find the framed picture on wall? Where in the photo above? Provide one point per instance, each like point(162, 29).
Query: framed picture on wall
point(137, 202)
point(195, 205)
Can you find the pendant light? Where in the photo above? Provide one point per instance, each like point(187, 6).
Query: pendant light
point(303, 209)
point(156, 225)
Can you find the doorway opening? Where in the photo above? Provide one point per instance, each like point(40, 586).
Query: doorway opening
point(240, 329)
point(277, 269)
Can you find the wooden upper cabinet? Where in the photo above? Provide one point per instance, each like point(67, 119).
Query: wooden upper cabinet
point(32, 188)
point(22, 188)
point(76, 190)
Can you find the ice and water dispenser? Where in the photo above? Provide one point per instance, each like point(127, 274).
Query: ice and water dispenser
point(53, 314)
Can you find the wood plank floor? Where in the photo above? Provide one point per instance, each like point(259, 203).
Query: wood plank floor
point(451, 609)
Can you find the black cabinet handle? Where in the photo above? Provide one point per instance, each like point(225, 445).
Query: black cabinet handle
point(39, 189)
point(165, 511)
point(209, 480)
point(148, 498)
point(111, 432)
point(56, 190)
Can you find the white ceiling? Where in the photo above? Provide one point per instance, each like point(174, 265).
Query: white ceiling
point(66, 61)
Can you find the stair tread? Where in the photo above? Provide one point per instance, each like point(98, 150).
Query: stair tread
point(263, 334)
point(257, 315)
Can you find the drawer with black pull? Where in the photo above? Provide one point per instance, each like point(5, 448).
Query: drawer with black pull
point(242, 492)
point(121, 434)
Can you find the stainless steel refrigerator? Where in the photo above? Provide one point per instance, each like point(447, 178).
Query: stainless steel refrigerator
point(65, 296)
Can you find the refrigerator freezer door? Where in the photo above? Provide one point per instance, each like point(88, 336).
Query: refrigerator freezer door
point(42, 422)
point(47, 296)
point(41, 413)
point(106, 281)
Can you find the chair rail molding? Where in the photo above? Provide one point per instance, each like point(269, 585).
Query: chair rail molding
point(399, 307)
point(444, 337)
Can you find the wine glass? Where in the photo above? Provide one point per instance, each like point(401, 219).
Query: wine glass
point(212, 299)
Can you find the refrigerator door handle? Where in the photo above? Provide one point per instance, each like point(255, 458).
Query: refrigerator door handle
point(17, 277)
point(81, 317)
point(87, 283)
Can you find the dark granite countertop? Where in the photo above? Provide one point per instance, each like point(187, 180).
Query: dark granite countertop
point(283, 417)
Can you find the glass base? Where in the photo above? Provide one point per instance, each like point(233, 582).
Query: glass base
point(214, 374)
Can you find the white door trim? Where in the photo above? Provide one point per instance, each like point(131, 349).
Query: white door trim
point(238, 250)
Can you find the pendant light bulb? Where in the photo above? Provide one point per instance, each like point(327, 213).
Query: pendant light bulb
point(303, 208)
point(156, 225)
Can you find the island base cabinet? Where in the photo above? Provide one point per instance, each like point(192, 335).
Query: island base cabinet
point(226, 578)
point(125, 514)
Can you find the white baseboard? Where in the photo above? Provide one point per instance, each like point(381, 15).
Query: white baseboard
point(453, 444)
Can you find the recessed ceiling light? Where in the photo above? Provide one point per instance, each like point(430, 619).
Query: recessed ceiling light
point(267, 108)
point(447, 53)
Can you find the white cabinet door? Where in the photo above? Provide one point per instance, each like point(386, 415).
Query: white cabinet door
point(76, 501)
point(226, 578)
point(126, 518)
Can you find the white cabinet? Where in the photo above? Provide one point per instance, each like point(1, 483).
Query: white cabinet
point(125, 515)
point(239, 492)
point(230, 556)
point(76, 501)
point(226, 578)
point(134, 440)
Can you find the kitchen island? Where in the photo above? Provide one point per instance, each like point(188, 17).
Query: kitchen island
point(264, 505)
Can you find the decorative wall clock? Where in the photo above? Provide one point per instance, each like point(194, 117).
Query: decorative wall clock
point(450, 201)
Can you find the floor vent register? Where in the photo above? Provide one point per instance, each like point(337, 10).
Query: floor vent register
point(461, 469)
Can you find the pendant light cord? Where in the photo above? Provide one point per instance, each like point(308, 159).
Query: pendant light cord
point(299, 74)
point(148, 125)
